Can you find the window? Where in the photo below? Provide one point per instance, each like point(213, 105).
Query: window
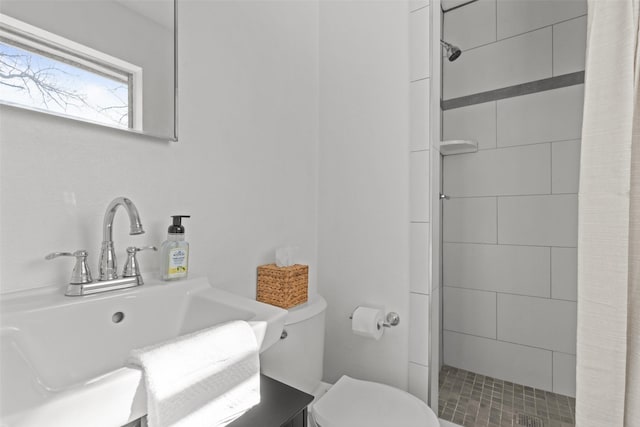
point(44, 72)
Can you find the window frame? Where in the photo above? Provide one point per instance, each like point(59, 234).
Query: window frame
point(36, 40)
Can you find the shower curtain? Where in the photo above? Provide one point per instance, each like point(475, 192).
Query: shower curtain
point(608, 356)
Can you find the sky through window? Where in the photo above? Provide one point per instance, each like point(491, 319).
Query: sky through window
point(40, 82)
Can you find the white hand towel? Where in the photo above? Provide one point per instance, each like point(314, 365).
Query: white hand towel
point(208, 378)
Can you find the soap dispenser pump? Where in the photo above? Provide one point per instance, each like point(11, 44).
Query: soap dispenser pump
point(174, 251)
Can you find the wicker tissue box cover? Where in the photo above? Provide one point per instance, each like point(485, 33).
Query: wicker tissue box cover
point(284, 287)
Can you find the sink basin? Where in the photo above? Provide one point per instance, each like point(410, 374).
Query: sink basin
point(62, 359)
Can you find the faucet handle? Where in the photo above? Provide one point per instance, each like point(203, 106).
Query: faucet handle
point(131, 267)
point(81, 273)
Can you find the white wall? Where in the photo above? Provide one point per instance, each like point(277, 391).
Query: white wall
point(245, 167)
point(294, 129)
point(363, 200)
point(509, 253)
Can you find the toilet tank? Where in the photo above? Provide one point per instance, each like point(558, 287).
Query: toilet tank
point(297, 358)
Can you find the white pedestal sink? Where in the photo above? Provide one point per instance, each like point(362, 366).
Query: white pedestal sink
point(62, 358)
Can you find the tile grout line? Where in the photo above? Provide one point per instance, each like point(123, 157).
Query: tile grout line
point(551, 271)
point(512, 195)
point(552, 65)
point(526, 144)
point(495, 9)
point(507, 342)
point(505, 293)
point(550, 248)
point(497, 223)
point(507, 244)
point(420, 8)
point(520, 34)
point(550, 168)
point(495, 116)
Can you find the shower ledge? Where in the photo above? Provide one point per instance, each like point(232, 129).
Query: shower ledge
point(458, 146)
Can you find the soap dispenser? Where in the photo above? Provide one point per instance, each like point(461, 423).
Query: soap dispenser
point(174, 251)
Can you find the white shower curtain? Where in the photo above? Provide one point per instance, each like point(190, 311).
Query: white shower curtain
point(608, 357)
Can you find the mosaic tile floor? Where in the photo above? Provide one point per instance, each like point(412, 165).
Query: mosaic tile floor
point(473, 400)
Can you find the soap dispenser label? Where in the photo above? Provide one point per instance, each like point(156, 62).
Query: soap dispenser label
point(178, 262)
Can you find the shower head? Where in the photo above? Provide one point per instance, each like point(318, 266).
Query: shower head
point(453, 52)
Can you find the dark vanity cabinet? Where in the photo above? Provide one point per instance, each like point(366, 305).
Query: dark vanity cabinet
point(280, 406)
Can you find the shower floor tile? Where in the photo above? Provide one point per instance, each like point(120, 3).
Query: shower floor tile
point(473, 400)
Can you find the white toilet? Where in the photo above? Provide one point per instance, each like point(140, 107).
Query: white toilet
point(297, 360)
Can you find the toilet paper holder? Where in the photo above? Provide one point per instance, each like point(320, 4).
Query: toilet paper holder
point(392, 319)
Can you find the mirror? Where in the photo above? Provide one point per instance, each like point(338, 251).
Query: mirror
point(108, 62)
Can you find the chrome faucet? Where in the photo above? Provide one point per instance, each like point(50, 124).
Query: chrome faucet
point(107, 268)
point(81, 282)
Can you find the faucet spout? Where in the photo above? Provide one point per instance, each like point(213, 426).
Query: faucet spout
point(108, 264)
point(132, 211)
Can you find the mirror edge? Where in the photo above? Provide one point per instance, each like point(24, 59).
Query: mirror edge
point(175, 72)
point(165, 138)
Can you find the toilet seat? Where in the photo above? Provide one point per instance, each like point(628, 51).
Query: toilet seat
point(350, 402)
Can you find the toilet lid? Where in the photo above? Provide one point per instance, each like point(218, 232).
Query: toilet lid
point(352, 402)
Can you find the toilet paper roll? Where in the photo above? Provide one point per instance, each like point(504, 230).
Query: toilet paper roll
point(367, 322)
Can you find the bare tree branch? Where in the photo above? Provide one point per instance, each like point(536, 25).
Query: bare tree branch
point(42, 84)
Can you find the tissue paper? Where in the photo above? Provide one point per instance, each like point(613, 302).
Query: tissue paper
point(284, 256)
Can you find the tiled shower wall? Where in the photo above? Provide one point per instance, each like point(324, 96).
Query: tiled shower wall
point(510, 227)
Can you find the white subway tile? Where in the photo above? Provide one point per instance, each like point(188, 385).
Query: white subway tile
point(419, 186)
point(564, 273)
point(552, 115)
point(419, 44)
point(569, 46)
point(506, 361)
point(419, 328)
point(469, 311)
point(472, 25)
point(474, 122)
point(419, 279)
point(538, 220)
point(501, 172)
point(470, 220)
point(565, 163)
point(505, 63)
point(419, 115)
point(419, 381)
point(537, 322)
point(522, 270)
point(517, 17)
point(564, 374)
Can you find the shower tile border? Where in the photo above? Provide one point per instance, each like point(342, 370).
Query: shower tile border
point(542, 85)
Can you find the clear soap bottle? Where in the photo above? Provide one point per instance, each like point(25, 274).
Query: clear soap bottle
point(174, 251)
